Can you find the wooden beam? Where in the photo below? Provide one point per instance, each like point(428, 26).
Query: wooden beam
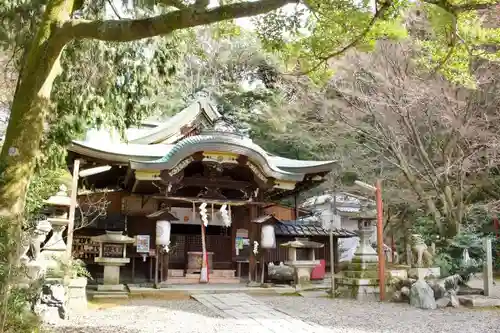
point(134, 187)
point(128, 177)
point(215, 183)
point(94, 171)
point(209, 201)
point(72, 208)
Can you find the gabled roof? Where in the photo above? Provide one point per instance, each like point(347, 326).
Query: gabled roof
point(170, 130)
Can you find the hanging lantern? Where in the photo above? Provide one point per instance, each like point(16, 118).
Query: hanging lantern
point(268, 237)
point(163, 233)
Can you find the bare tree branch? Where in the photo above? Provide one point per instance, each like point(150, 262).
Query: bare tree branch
point(129, 30)
point(433, 137)
point(92, 207)
point(324, 59)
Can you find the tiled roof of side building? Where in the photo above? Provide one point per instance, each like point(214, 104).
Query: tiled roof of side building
point(293, 229)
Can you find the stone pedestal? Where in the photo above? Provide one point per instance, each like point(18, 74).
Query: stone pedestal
point(111, 280)
point(302, 272)
point(111, 274)
point(77, 295)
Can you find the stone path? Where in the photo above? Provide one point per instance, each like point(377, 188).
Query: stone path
point(266, 319)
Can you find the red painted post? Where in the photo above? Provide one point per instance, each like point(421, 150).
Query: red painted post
point(380, 239)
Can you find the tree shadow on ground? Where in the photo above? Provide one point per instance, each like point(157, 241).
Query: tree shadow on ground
point(185, 305)
point(68, 328)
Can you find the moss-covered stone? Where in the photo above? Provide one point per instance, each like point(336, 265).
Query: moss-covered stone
point(358, 266)
point(356, 282)
point(362, 274)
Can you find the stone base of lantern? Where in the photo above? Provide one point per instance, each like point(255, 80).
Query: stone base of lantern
point(77, 296)
point(111, 278)
point(302, 273)
point(360, 281)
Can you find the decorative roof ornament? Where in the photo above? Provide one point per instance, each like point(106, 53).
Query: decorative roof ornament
point(226, 126)
point(222, 125)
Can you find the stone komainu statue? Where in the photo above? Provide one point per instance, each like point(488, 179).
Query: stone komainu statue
point(422, 255)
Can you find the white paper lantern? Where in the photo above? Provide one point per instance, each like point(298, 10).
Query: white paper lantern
point(163, 233)
point(267, 237)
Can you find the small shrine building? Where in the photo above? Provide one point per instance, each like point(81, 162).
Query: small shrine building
point(172, 171)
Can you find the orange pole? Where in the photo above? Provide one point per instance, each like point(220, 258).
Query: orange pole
point(380, 240)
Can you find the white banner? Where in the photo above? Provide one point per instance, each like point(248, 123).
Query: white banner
point(185, 216)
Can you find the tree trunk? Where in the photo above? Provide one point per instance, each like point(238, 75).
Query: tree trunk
point(407, 241)
point(419, 191)
point(29, 108)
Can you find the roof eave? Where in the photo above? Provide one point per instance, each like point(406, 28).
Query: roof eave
point(327, 166)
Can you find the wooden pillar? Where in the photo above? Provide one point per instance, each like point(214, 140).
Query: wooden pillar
point(252, 236)
point(165, 259)
point(234, 211)
point(335, 255)
point(157, 285)
point(72, 208)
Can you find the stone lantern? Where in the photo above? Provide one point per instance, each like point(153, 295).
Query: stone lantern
point(302, 258)
point(54, 249)
point(112, 255)
point(365, 251)
point(360, 280)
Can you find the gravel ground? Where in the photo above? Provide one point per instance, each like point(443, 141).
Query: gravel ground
point(339, 316)
point(374, 317)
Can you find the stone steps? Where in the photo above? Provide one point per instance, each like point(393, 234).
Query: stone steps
point(195, 279)
point(108, 295)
